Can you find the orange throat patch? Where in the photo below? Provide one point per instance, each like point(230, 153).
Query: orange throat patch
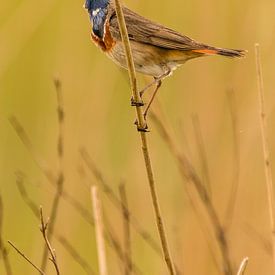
point(107, 42)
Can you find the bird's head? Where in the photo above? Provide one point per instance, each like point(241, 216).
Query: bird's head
point(91, 5)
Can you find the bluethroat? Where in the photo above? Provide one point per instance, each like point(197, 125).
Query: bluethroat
point(157, 50)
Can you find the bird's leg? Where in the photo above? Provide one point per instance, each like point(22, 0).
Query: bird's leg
point(156, 79)
point(136, 103)
point(159, 82)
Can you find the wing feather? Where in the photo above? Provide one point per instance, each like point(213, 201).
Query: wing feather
point(143, 30)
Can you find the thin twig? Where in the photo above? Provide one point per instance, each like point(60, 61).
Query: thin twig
point(189, 174)
point(126, 229)
point(75, 255)
point(243, 266)
point(265, 144)
point(99, 231)
point(43, 229)
point(26, 258)
point(60, 178)
point(35, 209)
point(3, 248)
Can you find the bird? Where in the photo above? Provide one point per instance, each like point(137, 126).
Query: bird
point(157, 50)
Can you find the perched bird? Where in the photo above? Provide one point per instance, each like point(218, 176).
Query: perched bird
point(157, 50)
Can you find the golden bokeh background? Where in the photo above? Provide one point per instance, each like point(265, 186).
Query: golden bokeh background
point(43, 40)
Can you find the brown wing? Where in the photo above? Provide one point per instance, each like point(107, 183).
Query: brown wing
point(144, 30)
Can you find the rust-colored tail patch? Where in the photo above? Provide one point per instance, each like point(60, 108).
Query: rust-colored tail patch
point(206, 51)
point(220, 51)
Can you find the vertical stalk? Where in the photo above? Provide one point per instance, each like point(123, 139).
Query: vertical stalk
point(267, 167)
point(141, 124)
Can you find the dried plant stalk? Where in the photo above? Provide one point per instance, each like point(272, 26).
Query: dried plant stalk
point(60, 177)
point(267, 167)
point(43, 229)
point(142, 124)
point(99, 231)
point(243, 266)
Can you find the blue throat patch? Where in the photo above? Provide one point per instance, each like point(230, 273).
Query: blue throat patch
point(97, 10)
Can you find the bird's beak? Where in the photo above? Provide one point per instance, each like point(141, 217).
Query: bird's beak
point(88, 5)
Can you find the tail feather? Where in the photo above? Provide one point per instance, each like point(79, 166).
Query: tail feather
point(224, 52)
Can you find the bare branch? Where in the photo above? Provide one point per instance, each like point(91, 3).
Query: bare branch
point(26, 258)
point(60, 178)
point(43, 229)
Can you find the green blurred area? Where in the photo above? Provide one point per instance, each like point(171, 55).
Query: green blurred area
point(40, 41)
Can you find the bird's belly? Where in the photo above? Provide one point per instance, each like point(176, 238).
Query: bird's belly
point(147, 59)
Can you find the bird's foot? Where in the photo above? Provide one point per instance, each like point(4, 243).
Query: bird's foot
point(136, 103)
point(143, 128)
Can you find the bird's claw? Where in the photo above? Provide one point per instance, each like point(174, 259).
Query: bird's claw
point(136, 103)
point(143, 128)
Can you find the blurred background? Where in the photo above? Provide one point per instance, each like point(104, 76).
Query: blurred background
point(47, 40)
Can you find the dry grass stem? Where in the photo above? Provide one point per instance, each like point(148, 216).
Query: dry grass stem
point(265, 144)
point(3, 249)
point(99, 231)
point(141, 125)
point(189, 174)
point(43, 229)
point(126, 229)
point(26, 258)
point(243, 266)
point(60, 177)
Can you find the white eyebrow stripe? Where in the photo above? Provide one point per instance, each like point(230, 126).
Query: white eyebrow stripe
point(95, 12)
